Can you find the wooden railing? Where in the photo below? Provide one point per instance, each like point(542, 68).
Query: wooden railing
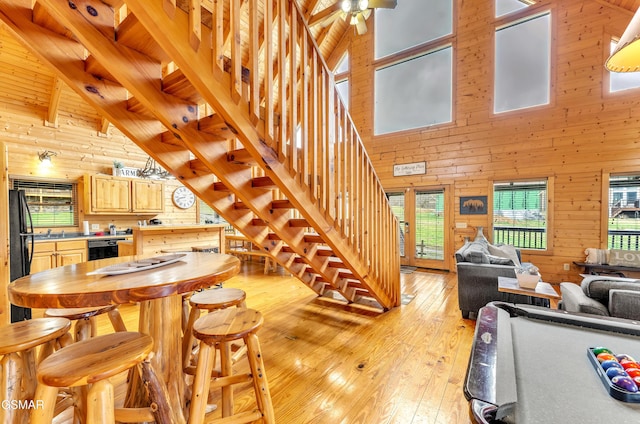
point(624, 239)
point(534, 238)
point(276, 69)
point(522, 237)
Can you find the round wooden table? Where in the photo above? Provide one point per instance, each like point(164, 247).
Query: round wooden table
point(159, 290)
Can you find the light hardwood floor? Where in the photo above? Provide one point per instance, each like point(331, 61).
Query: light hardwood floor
point(330, 364)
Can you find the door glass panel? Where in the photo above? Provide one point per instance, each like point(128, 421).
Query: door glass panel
point(396, 200)
point(429, 227)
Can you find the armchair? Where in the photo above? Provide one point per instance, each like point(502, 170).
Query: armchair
point(479, 264)
point(603, 295)
point(478, 285)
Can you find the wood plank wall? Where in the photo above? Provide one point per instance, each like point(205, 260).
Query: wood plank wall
point(5, 315)
point(582, 134)
point(25, 92)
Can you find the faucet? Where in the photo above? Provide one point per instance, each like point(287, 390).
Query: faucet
point(62, 236)
point(49, 233)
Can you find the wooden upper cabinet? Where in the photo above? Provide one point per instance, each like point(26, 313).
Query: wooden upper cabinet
point(105, 194)
point(148, 196)
point(110, 195)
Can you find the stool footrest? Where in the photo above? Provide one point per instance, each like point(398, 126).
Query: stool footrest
point(241, 418)
point(229, 380)
point(134, 415)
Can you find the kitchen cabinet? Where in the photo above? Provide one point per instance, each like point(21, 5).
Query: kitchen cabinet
point(147, 196)
point(51, 254)
point(109, 195)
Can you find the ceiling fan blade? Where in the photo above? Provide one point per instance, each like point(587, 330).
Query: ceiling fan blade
point(324, 14)
point(384, 4)
point(361, 25)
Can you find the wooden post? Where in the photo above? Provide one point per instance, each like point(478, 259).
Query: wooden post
point(5, 315)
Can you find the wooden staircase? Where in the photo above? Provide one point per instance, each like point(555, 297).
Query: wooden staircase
point(234, 99)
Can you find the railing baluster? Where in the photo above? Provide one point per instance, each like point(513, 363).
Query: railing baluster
point(315, 123)
point(254, 56)
point(236, 53)
point(304, 107)
point(194, 24)
point(268, 72)
point(282, 78)
point(293, 90)
point(169, 7)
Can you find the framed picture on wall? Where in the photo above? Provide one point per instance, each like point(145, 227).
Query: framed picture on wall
point(473, 205)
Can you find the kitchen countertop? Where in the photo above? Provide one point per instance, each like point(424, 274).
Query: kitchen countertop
point(177, 227)
point(57, 237)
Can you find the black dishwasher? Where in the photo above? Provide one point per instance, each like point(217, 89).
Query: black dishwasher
point(103, 248)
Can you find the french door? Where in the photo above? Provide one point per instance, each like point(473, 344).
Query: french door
point(423, 214)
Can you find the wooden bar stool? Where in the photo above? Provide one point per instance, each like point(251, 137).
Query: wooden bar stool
point(209, 300)
point(89, 362)
point(85, 319)
point(220, 328)
point(18, 343)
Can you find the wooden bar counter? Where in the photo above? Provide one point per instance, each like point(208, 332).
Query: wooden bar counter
point(156, 239)
point(159, 290)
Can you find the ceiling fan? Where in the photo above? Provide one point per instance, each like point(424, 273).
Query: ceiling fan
point(357, 11)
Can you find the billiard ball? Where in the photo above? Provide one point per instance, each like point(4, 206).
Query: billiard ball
point(622, 356)
point(608, 364)
point(633, 372)
point(628, 364)
point(625, 383)
point(615, 371)
point(598, 350)
point(604, 356)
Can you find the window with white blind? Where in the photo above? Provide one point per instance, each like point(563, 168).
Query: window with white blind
point(624, 212)
point(520, 213)
point(52, 204)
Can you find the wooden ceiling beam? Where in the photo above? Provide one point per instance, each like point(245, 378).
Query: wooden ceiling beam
point(324, 14)
point(54, 103)
point(339, 51)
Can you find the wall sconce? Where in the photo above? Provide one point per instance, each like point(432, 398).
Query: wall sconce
point(45, 156)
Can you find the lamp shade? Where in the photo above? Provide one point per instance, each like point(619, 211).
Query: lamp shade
point(626, 56)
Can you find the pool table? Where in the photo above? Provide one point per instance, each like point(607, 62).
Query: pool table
point(530, 364)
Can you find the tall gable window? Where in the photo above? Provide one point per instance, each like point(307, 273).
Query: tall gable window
point(522, 75)
point(504, 7)
point(341, 74)
point(413, 65)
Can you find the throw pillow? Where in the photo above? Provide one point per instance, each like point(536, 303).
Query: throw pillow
point(624, 258)
point(499, 260)
point(460, 252)
point(505, 251)
point(596, 256)
point(476, 252)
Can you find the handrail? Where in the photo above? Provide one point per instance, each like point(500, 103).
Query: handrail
point(292, 92)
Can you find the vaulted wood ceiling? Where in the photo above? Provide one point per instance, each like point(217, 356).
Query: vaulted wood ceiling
point(330, 36)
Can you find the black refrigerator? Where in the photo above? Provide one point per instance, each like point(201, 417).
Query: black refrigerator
point(21, 241)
